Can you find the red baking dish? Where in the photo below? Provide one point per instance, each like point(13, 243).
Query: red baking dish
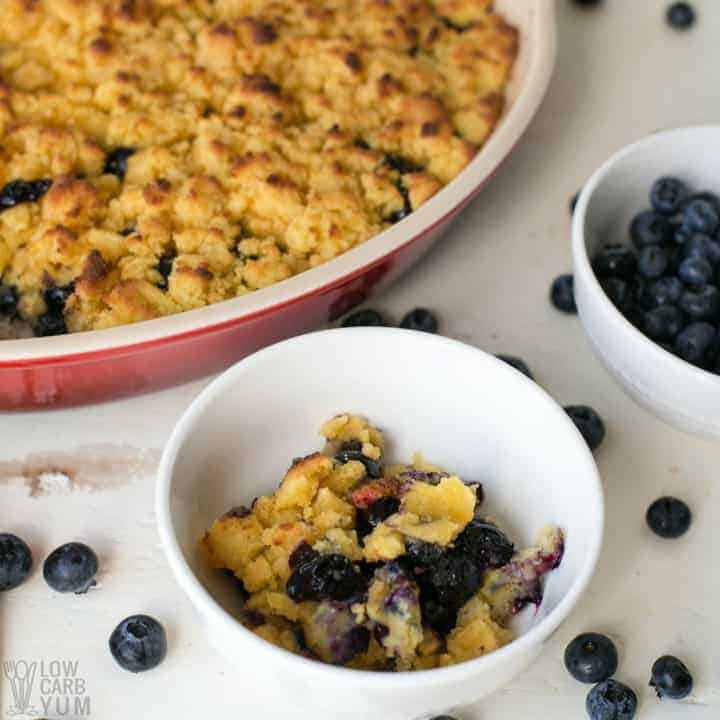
point(106, 364)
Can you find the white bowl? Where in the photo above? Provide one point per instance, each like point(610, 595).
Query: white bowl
point(460, 407)
point(677, 392)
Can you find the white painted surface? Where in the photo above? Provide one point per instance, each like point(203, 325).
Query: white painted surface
point(621, 74)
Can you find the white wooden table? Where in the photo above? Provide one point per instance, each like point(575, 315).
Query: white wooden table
point(621, 74)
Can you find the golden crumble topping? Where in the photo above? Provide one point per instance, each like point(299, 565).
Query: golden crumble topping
point(161, 155)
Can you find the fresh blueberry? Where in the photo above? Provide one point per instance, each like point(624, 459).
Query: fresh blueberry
point(653, 262)
point(611, 700)
point(702, 246)
point(681, 15)
point(517, 363)
point(617, 290)
point(71, 568)
point(695, 271)
point(15, 561)
point(589, 423)
point(668, 195)
point(669, 517)
point(663, 323)
point(116, 161)
point(562, 294)
point(702, 216)
point(694, 342)
point(664, 291)
point(703, 304)
point(635, 316)
point(50, 324)
point(671, 678)
point(138, 643)
point(9, 299)
point(420, 319)
point(22, 191)
point(650, 228)
point(682, 232)
point(56, 296)
point(364, 318)
point(614, 261)
point(591, 658)
point(710, 197)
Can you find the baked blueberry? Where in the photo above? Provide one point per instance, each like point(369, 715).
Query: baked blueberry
point(50, 324)
point(614, 261)
point(420, 319)
point(701, 215)
point(650, 228)
point(702, 304)
point(694, 342)
point(653, 262)
point(681, 15)
point(15, 561)
point(423, 554)
point(138, 643)
point(667, 195)
point(22, 191)
point(562, 294)
point(352, 450)
point(364, 318)
point(165, 267)
point(402, 164)
point(669, 517)
point(611, 700)
point(369, 518)
point(9, 299)
point(591, 658)
point(454, 578)
point(437, 615)
point(325, 577)
point(71, 568)
point(664, 291)
point(671, 678)
point(56, 296)
point(695, 271)
point(589, 423)
point(617, 291)
point(485, 543)
point(663, 323)
point(116, 161)
point(516, 362)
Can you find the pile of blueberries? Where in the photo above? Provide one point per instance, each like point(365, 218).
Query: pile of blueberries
point(138, 643)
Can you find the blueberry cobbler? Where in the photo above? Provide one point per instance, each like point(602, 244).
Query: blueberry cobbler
point(378, 567)
point(160, 155)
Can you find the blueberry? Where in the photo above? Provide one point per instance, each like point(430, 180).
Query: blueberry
point(15, 561)
point(617, 291)
point(562, 294)
point(663, 323)
point(611, 700)
point(485, 543)
point(591, 658)
point(116, 161)
point(165, 267)
point(701, 305)
point(589, 423)
point(693, 343)
point(56, 296)
point(671, 678)
point(649, 228)
point(138, 643)
point(519, 364)
point(682, 232)
point(71, 568)
point(402, 164)
point(702, 246)
point(9, 299)
point(377, 511)
point(364, 318)
point(423, 554)
point(681, 15)
point(664, 291)
point(669, 517)
point(420, 319)
point(668, 195)
point(588, 3)
point(695, 271)
point(316, 576)
point(635, 316)
point(22, 191)
point(653, 262)
point(454, 578)
point(702, 216)
point(437, 615)
point(712, 198)
point(614, 261)
point(353, 451)
point(50, 324)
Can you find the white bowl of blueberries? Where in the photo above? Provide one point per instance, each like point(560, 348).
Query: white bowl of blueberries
point(646, 250)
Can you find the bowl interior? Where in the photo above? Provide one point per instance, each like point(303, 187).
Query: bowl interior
point(463, 409)
point(623, 185)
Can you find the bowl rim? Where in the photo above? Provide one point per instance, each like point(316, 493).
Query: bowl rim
point(208, 607)
point(213, 318)
point(581, 259)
